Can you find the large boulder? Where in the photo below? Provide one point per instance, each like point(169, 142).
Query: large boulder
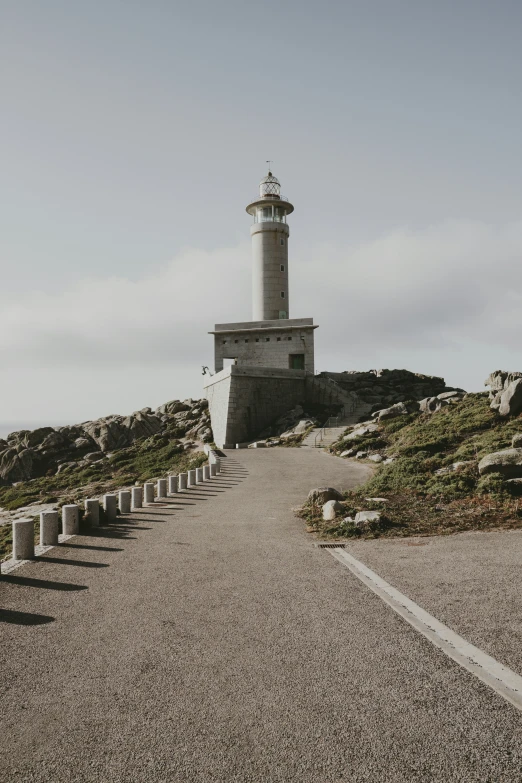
point(322, 494)
point(16, 465)
point(392, 412)
point(507, 462)
point(365, 518)
point(511, 399)
point(331, 509)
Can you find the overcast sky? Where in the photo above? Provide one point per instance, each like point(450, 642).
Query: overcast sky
point(134, 133)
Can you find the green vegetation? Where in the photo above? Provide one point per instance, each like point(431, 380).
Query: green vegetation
point(420, 501)
point(146, 459)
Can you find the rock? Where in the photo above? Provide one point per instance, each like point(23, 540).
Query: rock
point(66, 466)
point(376, 458)
point(330, 510)
point(376, 500)
point(17, 465)
point(399, 409)
point(450, 395)
point(360, 432)
point(83, 443)
point(511, 399)
point(93, 456)
point(517, 440)
point(349, 453)
point(364, 518)
point(361, 455)
point(388, 460)
point(452, 468)
point(322, 494)
point(507, 462)
point(302, 426)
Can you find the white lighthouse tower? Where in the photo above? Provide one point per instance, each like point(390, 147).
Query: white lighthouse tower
point(263, 367)
point(270, 233)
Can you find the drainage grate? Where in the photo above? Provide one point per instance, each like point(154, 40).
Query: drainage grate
point(332, 545)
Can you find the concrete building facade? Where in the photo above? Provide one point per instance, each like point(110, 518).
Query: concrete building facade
point(287, 345)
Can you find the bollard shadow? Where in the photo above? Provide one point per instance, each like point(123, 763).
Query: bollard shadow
point(24, 618)
point(67, 561)
point(94, 548)
point(44, 584)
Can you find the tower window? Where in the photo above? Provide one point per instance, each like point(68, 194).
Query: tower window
point(267, 339)
point(282, 294)
point(246, 341)
point(282, 267)
point(282, 241)
point(257, 339)
point(278, 339)
point(288, 338)
point(224, 342)
point(236, 341)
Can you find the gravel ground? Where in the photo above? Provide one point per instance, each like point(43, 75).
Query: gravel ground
point(472, 582)
point(207, 640)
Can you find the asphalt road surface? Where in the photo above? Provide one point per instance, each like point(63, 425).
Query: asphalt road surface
point(207, 639)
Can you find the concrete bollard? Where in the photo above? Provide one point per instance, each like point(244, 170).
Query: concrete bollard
point(199, 475)
point(191, 478)
point(182, 481)
point(110, 504)
point(173, 485)
point(92, 512)
point(218, 465)
point(213, 470)
point(70, 520)
point(148, 492)
point(124, 501)
point(23, 539)
point(211, 457)
point(137, 497)
point(161, 488)
point(206, 472)
point(49, 525)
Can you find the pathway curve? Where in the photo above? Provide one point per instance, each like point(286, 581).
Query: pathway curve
point(208, 640)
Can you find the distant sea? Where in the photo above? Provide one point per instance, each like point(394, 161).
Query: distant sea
point(14, 426)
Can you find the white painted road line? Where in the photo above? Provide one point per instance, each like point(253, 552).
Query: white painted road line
point(504, 681)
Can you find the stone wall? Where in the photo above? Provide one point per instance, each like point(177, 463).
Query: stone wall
point(245, 400)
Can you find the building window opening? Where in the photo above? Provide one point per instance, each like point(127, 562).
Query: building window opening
point(282, 241)
point(288, 338)
point(236, 341)
point(224, 342)
point(257, 339)
point(282, 294)
point(246, 341)
point(267, 339)
point(296, 361)
point(278, 339)
point(282, 267)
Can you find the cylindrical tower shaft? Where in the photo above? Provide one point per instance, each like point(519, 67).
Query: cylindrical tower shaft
point(270, 271)
point(270, 233)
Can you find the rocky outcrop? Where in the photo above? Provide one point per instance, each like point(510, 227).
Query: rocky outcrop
point(29, 454)
point(505, 392)
point(382, 389)
point(507, 462)
point(434, 404)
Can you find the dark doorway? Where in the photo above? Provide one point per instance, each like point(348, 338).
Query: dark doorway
point(297, 361)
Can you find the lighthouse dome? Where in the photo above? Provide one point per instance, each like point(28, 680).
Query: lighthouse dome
point(270, 186)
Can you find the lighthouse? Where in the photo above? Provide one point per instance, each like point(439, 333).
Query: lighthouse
point(265, 366)
point(270, 233)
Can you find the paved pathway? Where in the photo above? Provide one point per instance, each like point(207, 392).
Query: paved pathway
point(208, 640)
